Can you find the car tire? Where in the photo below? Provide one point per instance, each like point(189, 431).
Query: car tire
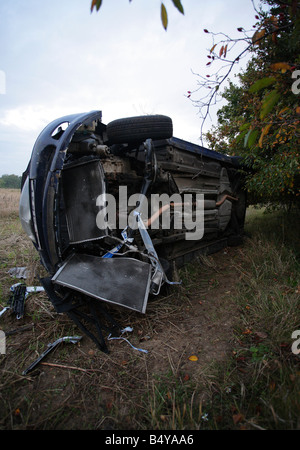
point(139, 128)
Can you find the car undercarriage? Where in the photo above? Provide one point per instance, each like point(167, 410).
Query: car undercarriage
point(111, 209)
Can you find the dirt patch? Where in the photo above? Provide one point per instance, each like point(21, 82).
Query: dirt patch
point(79, 387)
point(203, 324)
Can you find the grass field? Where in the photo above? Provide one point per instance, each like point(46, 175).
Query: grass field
point(219, 346)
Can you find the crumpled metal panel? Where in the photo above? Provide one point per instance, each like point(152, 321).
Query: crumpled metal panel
point(121, 281)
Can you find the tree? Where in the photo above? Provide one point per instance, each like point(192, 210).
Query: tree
point(10, 181)
point(261, 119)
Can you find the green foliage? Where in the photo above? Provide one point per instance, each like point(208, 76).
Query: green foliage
point(10, 182)
point(261, 84)
point(261, 119)
point(260, 352)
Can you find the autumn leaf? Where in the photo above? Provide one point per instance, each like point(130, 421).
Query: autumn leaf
point(221, 51)
point(274, 20)
point(237, 418)
point(213, 47)
point(280, 66)
point(225, 50)
point(96, 3)
point(164, 16)
point(258, 35)
point(264, 132)
point(193, 358)
point(282, 111)
point(247, 331)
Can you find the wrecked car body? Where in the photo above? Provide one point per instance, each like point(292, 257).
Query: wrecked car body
point(112, 208)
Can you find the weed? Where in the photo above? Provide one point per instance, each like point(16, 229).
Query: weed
point(175, 405)
point(260, 352)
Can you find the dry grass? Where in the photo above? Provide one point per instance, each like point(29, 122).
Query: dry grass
point(85, 388)
point(237, 382)
point(9, 202)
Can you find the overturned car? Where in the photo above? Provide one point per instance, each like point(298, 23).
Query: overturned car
point(112, 208)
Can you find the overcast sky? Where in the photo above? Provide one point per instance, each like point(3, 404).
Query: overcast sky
point(57, 58)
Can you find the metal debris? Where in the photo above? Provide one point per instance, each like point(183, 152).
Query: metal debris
point(50, 347)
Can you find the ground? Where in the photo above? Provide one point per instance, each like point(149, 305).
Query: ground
point(188, 331)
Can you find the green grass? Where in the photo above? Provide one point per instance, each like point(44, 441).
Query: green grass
point(264, 373)
point(259, 385)
point(174, 404)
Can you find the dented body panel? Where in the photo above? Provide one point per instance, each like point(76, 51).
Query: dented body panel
point(79, 165)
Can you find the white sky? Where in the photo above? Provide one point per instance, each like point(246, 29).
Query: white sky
point(57, 58)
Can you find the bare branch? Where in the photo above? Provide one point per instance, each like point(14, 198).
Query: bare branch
point(214, 83)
